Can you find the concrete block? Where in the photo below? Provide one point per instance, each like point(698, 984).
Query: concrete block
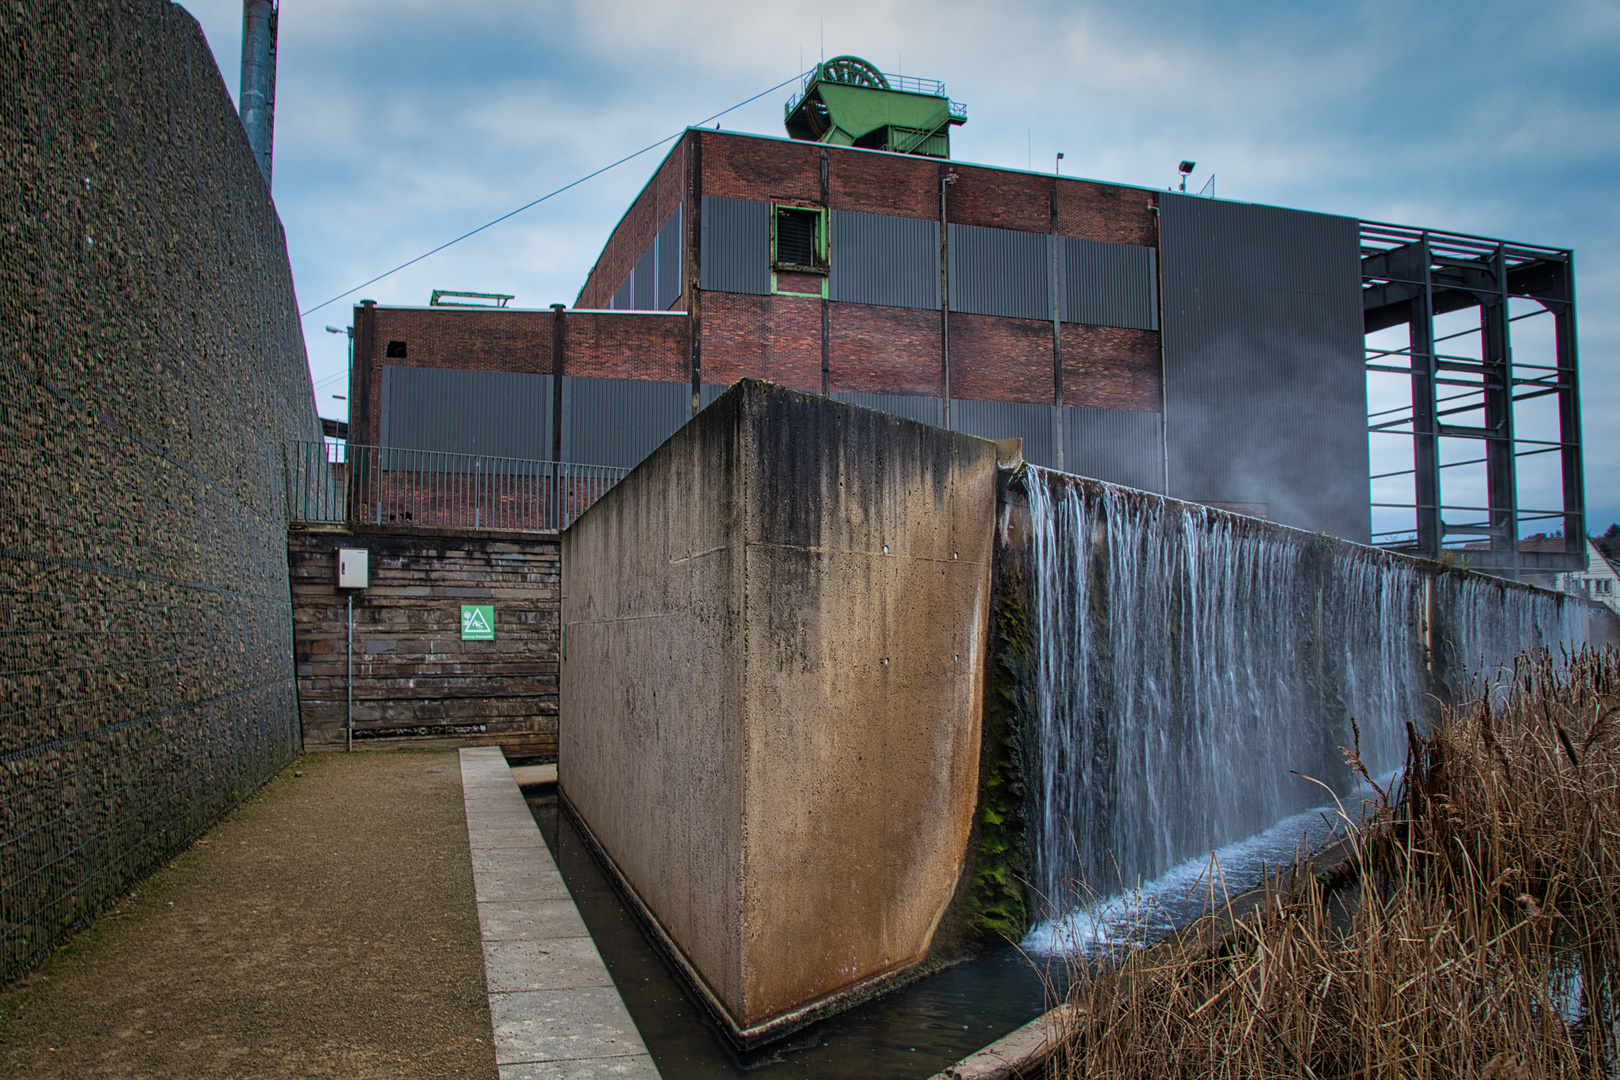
point(553, 964)
point(530, 920)
point(639, 1067)
point(771, 702)
point(562, 1025)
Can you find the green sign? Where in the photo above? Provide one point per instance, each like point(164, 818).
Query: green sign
point(477, 622)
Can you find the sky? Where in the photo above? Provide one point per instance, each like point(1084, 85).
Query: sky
point(401, 125)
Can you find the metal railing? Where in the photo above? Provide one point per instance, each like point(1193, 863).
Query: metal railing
point(334, 483)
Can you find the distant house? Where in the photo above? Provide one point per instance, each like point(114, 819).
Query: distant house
point(1599, 582)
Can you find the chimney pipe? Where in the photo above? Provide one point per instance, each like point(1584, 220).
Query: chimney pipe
point(257, 94)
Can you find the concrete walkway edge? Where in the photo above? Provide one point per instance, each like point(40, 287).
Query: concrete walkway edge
point(553, 1007)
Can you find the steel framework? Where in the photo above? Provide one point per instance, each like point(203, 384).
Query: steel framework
point(1411, 276)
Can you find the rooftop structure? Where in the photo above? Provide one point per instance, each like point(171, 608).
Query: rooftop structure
point(848, 102)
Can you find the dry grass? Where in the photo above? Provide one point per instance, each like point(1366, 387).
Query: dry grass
point(1478, 937)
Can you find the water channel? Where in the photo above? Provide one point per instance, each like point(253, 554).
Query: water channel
point(909, 1034)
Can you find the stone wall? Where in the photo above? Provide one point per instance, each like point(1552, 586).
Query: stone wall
point(771, 697)
point(152, 373)
point(414, 679)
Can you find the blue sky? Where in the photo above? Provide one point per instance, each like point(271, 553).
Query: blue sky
point(400, 125)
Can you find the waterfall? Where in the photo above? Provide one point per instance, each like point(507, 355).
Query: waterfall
point(1191, 662)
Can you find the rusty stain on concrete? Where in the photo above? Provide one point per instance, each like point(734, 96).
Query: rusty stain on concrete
point(772, 695)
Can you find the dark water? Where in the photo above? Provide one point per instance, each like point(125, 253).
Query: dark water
point(914, 1032)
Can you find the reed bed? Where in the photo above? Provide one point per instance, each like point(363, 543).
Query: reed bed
point(1474, 931)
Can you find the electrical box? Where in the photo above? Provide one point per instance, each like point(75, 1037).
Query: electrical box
point(353, 572)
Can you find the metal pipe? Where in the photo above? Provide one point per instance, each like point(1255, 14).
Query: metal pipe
point(257, 93)
point(349, 678)
point(946, 179)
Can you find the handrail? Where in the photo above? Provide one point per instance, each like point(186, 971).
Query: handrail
point(347, 484)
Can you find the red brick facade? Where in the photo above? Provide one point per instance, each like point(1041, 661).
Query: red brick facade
point(634, 235)
point(599, 344)
point(868, 349)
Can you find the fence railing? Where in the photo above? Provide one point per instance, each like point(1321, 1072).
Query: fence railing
point(334, 483)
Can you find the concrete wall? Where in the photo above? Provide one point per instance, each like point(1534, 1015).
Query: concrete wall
point(771, 698)
point(414, 678)
point(152, 373)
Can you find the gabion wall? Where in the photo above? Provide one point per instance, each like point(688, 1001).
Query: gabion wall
point(152, 373)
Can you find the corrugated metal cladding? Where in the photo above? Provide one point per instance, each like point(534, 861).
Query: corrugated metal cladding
point(467, 412)
point(736, 248)
point(999, 272)
point(1265, 394)
point(1006, 420)
point(654, 283)
point(925, 410)
point(618, 422)
point(646, 280)
point(624, 296)
point(1110, 284)
point(1119, 447)
point(881, 259)
point(668, 245)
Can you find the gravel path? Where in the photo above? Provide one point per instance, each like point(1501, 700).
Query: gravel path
point(326, 928)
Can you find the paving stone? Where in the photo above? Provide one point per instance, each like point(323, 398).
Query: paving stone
point(507, 839)
point(531, 920)
point(639, 1067)
point(558, 1025)
point(553, 964)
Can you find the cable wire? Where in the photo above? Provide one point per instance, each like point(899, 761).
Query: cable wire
point(543, 198)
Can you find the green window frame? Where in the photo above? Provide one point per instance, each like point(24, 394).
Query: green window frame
point(799, 244)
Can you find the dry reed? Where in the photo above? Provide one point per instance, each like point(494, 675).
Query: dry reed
point(1479, 935)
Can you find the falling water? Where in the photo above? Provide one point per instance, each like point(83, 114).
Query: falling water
point(1195, 667)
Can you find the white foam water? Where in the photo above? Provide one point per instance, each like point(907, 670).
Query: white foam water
point(1198, 673)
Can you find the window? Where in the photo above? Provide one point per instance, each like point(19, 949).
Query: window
point(396, 350)
point(799, 239)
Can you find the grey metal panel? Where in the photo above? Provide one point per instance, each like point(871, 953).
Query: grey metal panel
point(882, 259)
point(668, 244)
point(498, 413)
point(1113, 445)
point(707, 393)
point(1265, 393)
point(925, 410)
point(999, 272)
point(618, 422)
point(736, 248)
point(624, 297)
point(1110, 284)
point(645, 279)
point(1007, 420)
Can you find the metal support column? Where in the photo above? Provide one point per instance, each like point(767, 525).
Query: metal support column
point(1569, 408)
point(1496, 372)
point(1425, 422)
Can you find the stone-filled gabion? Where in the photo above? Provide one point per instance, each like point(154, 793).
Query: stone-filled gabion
point(152, 372)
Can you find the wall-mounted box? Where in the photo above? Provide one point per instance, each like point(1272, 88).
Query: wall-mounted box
point(352, 569)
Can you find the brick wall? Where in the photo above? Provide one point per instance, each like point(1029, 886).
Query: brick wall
point(870, 349)
point(634, 234)
point(414, 679)
point(884, 350)
point(621, 345)
point(766, 337)
point(152, 374)
point(1111, 367)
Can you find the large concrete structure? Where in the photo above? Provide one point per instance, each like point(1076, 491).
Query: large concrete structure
point(152, 377)
point(772, 689)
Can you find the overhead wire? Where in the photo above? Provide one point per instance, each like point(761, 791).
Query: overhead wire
point(548, 195)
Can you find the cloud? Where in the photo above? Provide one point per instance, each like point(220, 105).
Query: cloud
point(403, 124)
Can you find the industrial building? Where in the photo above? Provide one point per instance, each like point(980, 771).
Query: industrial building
point(1211, 350)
